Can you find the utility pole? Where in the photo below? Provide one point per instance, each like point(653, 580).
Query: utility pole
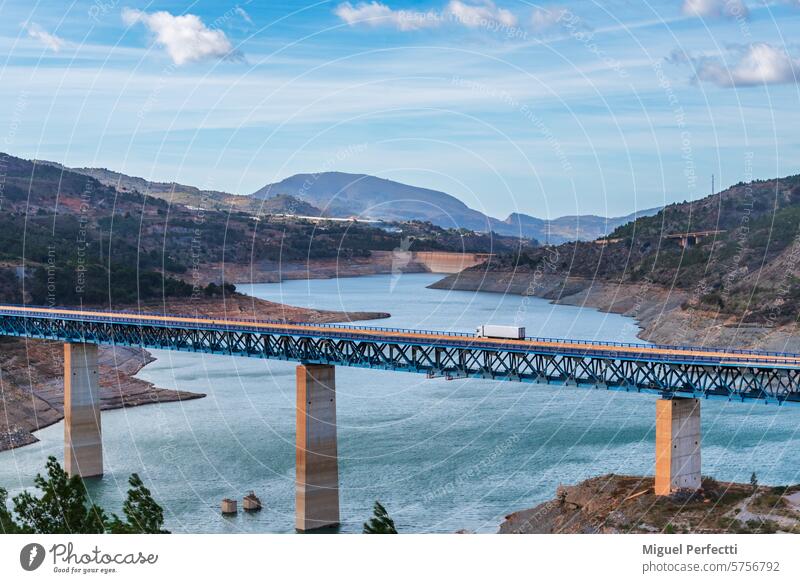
point(712, 184)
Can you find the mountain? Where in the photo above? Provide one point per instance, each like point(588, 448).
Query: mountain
point(341, 194)
point(573, 227)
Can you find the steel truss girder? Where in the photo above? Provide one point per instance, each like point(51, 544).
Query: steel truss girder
point(732, 382)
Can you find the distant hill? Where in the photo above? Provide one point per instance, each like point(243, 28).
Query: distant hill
point(171, 192)
point(288, 205)
point(573, 227)
point(342, 194)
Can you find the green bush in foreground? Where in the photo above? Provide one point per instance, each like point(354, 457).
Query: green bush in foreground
point(380, 523)
point(64, 507)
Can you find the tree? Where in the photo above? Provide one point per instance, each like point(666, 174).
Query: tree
point(380, 523)
point(63, 507)
point(754, 481)
point(7, 524)
point(143, 514)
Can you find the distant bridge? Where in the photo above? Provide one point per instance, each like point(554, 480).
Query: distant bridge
point(682, 375)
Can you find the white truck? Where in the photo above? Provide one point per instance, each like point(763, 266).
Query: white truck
point(494, 331)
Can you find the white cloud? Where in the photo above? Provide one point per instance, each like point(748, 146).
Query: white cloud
point(184, 37)
point(482, 13)
point(377, 14)
point(544, 18)
point(757, 64)
point(51, 41)
point(715, 8)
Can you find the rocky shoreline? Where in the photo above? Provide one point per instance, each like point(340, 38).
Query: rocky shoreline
point(661, 314)
point(627, 504)
point(33, 386)
point(32, 371)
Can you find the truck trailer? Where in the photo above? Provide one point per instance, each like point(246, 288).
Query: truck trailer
point(494, 331)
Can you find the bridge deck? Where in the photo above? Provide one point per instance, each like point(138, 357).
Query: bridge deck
point(712, 356)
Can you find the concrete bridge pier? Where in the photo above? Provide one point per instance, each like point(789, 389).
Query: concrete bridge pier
point(83, 443)
point(677, 445)
point(317, 461)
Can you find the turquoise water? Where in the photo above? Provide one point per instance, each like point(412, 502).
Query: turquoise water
point(441, 455)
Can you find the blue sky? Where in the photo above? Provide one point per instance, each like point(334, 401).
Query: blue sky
point(548, 109)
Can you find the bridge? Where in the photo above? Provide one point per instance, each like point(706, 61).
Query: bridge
point(681, 376)
point(690, 239)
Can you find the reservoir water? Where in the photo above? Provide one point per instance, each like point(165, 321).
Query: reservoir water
point(440, 455)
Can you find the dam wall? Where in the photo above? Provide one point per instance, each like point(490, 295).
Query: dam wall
point(447, 262)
